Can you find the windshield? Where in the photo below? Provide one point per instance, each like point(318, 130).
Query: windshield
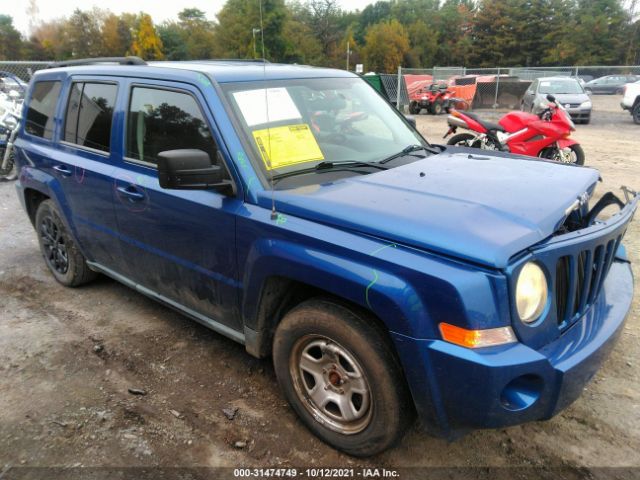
point(560, 86)
point(296, 124)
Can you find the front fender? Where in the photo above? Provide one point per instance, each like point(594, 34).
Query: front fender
point(566, 142)
point(395, 301)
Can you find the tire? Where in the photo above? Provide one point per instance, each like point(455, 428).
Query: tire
point(64, 260)
point(436, 107)
point(619, 91)
point(461, 140)
point(414, 108)
point(343, 350)
point(552, 154)
point(636, 114)
point(9, 172)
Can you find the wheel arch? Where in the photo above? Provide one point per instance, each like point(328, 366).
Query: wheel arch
point(281, 274)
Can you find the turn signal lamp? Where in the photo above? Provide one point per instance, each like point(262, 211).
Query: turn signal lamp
point(477, 338)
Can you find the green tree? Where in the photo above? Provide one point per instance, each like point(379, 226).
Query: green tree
point(424, 44)
point(116, 36)
point(387, 43)
point(146, 42)
point(10, 39)
point(238, 19)
point(82, 33)
point(595, 34)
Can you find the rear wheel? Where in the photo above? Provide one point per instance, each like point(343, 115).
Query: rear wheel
point(464, 140)
point(66, 263)
point(572, 154)
point(340, 375)
point(414, 108)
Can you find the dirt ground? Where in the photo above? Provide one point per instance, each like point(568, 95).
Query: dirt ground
point(68, 358)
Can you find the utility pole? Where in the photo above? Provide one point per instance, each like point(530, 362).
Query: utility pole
point(254, 31)
point(348, 53)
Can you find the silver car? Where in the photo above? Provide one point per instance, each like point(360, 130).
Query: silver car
point(568, 91)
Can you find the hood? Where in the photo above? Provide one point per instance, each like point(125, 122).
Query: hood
point(478, 207)
point(569, 97)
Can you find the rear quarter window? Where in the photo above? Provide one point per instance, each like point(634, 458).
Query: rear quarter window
point(40, 112)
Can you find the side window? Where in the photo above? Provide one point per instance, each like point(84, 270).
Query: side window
point(160, 120)
point(89, 115)
point(40, 112)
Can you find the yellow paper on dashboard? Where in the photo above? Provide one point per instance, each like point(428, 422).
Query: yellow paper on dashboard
point(288, 145)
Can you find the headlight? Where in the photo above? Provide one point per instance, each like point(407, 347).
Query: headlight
point(586, 104)
point(531, 292)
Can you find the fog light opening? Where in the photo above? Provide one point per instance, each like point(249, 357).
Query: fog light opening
point(521, 392)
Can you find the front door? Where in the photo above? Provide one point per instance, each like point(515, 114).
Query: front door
point(179, 244)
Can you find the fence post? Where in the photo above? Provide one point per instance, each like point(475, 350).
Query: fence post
point(399, 86)
point(495, 100)
point(577, 70)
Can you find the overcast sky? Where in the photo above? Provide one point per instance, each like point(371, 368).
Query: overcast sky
point(159, 9)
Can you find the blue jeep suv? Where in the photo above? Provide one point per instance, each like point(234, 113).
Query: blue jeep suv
point(295, 211)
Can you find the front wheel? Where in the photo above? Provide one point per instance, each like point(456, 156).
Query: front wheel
point(414, 108)
point(436, 107)
point(636, 114)
point(339, 373)
point(572, 154)
point(464, 140)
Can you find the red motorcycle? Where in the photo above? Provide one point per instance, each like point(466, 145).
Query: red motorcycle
point(545, 135)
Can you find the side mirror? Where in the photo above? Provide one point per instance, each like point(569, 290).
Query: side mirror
point(588, 92)
point(412, 120)
point(189, 169)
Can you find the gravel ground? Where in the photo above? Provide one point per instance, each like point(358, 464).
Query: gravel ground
point(68, 358)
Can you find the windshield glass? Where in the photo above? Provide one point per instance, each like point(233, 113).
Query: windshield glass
point(296, 124)
point(560, 86)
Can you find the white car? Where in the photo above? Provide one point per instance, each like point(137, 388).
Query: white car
point(631, 100)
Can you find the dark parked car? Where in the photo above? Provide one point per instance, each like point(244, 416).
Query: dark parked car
point(611, 84)
point(295, 211)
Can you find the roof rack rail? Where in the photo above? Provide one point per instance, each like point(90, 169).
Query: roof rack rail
point(239, 60)
point(98, 60)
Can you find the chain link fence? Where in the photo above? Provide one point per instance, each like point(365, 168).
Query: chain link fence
point(22, 70)
point(503, 88)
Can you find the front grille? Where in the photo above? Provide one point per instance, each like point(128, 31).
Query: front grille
point(579, 279)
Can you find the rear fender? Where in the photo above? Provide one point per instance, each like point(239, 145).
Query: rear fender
point(32, 178)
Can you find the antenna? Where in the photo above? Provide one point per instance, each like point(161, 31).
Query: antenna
point(274, 214)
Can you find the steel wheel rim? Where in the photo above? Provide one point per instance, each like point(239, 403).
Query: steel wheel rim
point(331, 384)
point(53, 243)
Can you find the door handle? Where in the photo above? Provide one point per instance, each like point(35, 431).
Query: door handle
point(133, 193)
point(63, 170)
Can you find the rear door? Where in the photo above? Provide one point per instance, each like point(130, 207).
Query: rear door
point(178, 244)
point(85, 162)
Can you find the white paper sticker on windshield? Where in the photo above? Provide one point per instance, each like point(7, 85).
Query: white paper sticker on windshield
point(545, 84)
point(266, 105)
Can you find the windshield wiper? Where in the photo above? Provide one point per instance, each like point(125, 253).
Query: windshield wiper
point(327, 164)
point(408, 151)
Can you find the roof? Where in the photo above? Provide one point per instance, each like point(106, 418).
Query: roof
point(222, 71)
